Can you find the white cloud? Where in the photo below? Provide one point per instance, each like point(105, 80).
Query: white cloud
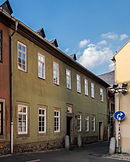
point(123, 36)
point(83, 43)
point(95, 55)
point(109, 35)
point(67, 49)
point(112, 66)
point(103, 42)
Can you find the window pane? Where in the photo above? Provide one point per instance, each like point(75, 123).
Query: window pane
point(21, 56)
point(22, 119)
point(55, 73)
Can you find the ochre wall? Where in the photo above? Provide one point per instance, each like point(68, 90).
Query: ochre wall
point(122, 76)
point(28, 88)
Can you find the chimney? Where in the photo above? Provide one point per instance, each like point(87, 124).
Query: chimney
point(6, 7)
point(41, 32)
point(54, 42)
point(73, 56)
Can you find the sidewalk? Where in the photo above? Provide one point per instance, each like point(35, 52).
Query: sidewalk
point(125, 157)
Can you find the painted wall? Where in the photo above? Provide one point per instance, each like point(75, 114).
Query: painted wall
point(28, 88)
point(122, 75)
point(5, 85)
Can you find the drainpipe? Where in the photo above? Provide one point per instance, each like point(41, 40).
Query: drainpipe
point(11, 86)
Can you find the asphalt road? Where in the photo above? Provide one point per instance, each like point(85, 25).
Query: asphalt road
point(89, 153)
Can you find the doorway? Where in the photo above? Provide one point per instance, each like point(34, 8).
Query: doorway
point(68, 129)
point(100, 131)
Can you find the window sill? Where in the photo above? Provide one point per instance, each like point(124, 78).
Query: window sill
point(42, 134)
point(22, 135)
point(41, 78)
point(69, 88)
point(56, 132)
point(56, 84)
point(22, 70)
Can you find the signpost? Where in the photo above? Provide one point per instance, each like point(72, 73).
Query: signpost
point(119, 115)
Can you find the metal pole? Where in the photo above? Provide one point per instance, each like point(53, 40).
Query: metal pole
point(119, 133)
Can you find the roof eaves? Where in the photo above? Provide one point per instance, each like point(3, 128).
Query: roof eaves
point(58, 50)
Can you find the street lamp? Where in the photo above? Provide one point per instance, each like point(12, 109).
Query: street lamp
point(119, 90)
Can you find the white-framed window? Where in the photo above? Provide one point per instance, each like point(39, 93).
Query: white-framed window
point(42, 120)
point(79, 121)
point(93, 123)
point(56, 121)
point(78, 83)
point(55, 73)
point(22, 62)
point(41, 66)
point(68, 79)
point(101, 94)
point(92, 90)
point(87, 123)
point(22, 119)
point(86, 86)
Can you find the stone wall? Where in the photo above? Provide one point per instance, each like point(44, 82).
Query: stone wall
point(38, 146)
point(4, 148)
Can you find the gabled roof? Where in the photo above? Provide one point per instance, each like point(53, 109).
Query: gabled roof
point(54, 42)
point(109, 77)
point(28, 33)
point(41, 32)
point(113, 59)
point(6, 7)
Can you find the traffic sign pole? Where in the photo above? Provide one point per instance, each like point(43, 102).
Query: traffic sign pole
point(119, 133)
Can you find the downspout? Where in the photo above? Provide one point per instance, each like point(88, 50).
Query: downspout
point(11, 86)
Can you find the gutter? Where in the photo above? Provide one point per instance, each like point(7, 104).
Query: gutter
point(11, 86)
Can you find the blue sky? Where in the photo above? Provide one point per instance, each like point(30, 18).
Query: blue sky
point(92, 29)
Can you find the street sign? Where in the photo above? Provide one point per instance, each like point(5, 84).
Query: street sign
point(119, 115)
